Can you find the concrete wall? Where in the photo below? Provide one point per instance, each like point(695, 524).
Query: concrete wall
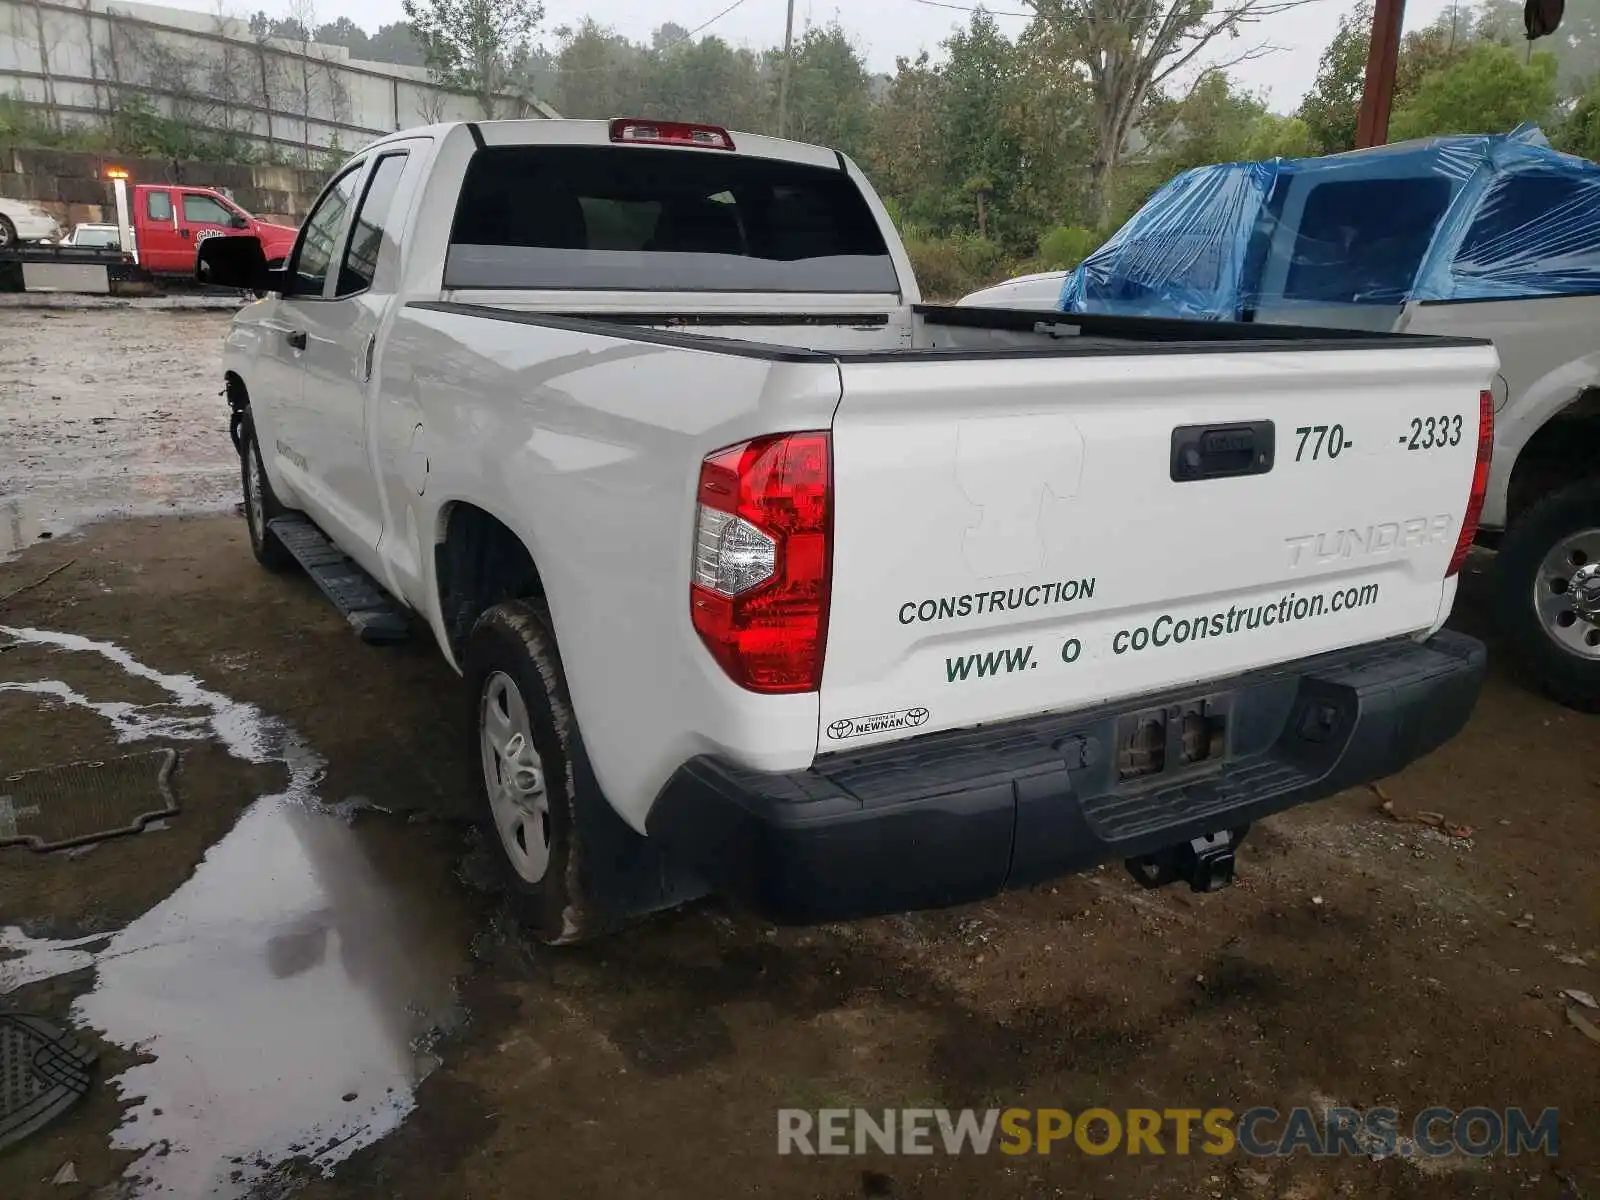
point(75, 61)
point(73, 186)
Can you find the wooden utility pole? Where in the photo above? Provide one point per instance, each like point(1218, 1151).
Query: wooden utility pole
point(783, 77)
point(1383, 57)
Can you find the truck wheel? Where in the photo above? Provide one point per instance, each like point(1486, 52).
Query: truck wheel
point(8, 233)
point(556, 837)
point(1549, 584)
point(260, 504)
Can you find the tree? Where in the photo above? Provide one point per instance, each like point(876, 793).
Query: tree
point(1575, 45)
point(396, 43)
point(598, 72)
point(1330, 108)
point(1050, 113)
point(1279, 137)
point(1129, 49)
point(288, 29)
point(706, 81)
point(475, 45)
point(982, 158)
point(830, 92)
point(1212, 124)
point(904, 139)
point(344, 32)
point(1580, 132)
point(1489, 89)
point(667, 36)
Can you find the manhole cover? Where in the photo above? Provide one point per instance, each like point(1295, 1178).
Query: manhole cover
point(43, 1072)
point(56, 807)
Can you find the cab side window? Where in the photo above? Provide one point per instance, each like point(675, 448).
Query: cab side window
point(203, 210)
point(321, 234)
point(158, 206)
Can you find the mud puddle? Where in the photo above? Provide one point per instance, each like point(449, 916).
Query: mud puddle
point(284, 1002)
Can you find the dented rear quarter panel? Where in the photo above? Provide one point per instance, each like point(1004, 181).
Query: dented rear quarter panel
point(588, 447)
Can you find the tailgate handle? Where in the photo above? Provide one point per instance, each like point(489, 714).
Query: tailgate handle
point(1221, 451)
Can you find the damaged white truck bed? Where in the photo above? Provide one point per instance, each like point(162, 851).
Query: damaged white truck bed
point(768, 578)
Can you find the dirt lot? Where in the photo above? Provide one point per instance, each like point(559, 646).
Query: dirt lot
point(305, 969)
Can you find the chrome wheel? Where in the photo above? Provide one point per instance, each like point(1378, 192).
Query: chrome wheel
point(514, 777)
point(1566, 594)
point(254, 488)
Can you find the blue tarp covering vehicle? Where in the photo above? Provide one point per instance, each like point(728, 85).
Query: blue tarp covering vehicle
point(1452, 218)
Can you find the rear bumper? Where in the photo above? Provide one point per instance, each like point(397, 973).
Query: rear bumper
point(961, 815)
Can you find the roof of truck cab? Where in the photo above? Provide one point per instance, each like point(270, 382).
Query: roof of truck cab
point(572, 132)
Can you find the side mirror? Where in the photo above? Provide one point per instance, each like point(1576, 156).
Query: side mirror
point(238, 222)
point(234, 262)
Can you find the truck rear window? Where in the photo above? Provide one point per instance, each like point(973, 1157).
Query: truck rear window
point(636, 218)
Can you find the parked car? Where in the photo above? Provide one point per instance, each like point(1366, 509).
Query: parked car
point(1493, 237)
point(766, 577)
point(1041, 290)
point(92, 235)
point(24, 222)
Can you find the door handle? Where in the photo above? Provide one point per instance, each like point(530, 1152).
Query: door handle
point(296, 338)
point(184, 234)
point(366, 357)
point(1221, 451)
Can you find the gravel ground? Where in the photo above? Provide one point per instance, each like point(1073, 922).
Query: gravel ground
point(113, 411)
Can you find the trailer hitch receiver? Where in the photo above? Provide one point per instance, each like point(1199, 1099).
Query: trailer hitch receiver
point(1205, 863)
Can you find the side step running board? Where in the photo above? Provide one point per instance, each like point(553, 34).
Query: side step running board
point(376, 617)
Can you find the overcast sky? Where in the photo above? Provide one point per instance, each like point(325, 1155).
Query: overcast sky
point(888, 28)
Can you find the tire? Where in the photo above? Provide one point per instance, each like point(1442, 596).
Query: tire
point(573, 869)
point(8, 234)
point(1549, 594)
point(260, 504)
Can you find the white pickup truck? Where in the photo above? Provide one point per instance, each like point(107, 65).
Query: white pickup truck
point(768, 579)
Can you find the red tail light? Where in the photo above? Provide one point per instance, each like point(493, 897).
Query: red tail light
point(1480, 483)
point(670, 133)
point(763, 560)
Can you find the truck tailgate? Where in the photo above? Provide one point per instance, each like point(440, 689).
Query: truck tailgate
point(1016, 535)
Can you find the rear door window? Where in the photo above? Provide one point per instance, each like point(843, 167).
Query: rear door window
point(372, 225)
point(158, 206)
point(1361, 241)
point(627, 217)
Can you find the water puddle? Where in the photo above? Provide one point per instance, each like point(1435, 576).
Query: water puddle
point(286, 996)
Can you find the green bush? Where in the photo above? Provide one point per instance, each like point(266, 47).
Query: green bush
point(1065, 246)
point(133, 128)
point(947, 268)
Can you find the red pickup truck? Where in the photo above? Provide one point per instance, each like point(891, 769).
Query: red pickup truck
point(170, 220)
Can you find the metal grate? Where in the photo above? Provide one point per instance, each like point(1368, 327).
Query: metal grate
point(53, 808)
point(43, 1072)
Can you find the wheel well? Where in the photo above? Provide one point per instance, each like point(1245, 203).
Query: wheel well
point(238, 402)
point(479, 563)
point(1565, 450)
